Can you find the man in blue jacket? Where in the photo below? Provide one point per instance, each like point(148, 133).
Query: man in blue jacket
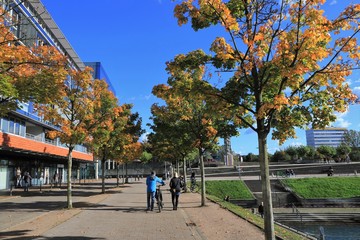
point(151, 181)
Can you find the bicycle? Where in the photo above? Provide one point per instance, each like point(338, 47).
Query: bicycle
point(193, 185)
point(159, 198)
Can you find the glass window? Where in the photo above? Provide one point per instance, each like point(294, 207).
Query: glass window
point(22, 128)
point(17, 127)
point(5, 125)
point(11, 125)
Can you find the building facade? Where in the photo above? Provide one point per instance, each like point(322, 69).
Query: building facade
point(24, 145)
point(332, 137)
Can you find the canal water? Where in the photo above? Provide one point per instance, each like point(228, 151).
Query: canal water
point(335, 231)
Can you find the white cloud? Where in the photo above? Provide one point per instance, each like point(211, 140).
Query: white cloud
point(147, 97)
point(144, 137)
point(340, 121)
point(356, 91)
point(333, 2)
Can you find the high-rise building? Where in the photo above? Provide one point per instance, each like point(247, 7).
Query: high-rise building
point(24, 145)
point(329, 137)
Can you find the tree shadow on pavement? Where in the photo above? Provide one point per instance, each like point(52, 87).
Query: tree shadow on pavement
point(21, 235)
point(125, 209)
point(34, 206)
point(45, 206)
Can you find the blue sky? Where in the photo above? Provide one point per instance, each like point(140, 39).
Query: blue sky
point(133, 40)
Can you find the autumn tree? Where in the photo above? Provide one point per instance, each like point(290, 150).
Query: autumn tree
point(27, 73)
point(103, 123)
point(128, 146)
point(170, 139)
point(289, 65)
point(117, 137)
point(200, 116)
point(72, 113)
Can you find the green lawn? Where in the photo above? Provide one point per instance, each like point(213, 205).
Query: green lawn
point(331, 187)
point(235, 189)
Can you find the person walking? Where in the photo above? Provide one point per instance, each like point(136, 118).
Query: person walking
point(56, 179)
point(175, 188)
point(18, 177)
point(261, 209)
point(192, 181)
point(27, 180)
point(151, 181)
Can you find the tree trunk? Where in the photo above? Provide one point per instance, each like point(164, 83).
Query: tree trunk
point(69, 197)
point(266, 187)
point(117, 175)
point(123, 176)
point(103, 175)
point(202, 170)
point(126, 173)
point(177, 166)
point(184, 169)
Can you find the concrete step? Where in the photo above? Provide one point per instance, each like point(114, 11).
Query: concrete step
point(318, 217)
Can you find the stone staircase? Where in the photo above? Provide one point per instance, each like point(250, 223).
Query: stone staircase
point(280, 197)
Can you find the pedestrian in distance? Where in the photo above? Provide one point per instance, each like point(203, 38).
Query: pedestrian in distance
point(192, 182)
point(27, 180)
point(18, 177)
point(151, 182)
point(56, 179)
point(261, 209)
point(175, 188)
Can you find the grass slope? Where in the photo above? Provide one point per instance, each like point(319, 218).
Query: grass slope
point(331, 187)
point(235, 189)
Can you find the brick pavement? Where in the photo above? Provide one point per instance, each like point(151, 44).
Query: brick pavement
point(119, 214)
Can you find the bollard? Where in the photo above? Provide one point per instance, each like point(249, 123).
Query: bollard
point(11, 188)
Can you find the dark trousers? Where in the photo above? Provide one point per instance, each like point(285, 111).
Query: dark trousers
point(175, 198)
point(150, 200)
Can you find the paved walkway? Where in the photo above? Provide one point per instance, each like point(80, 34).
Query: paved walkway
point(118, 214)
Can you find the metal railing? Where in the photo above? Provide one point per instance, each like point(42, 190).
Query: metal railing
point(297, 212)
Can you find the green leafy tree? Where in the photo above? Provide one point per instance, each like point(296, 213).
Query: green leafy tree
point(289, 66)
point(303, 151)
point(352, 139)
point(281, 156)
point(292, 152)
point(342, 151)
point(326, 152)
point(170, 139)
point(202, 120)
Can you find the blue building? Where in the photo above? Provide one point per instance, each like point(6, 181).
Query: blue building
point(24, 145)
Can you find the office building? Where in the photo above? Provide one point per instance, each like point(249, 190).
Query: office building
point(24, 145)
point(332, 137)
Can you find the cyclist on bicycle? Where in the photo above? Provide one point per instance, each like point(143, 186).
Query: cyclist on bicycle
point(151, 181)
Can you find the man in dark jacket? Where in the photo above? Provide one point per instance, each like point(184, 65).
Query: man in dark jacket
point(175, 188)
point(151, 181)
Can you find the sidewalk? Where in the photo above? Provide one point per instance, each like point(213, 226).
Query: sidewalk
point(118, 214)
